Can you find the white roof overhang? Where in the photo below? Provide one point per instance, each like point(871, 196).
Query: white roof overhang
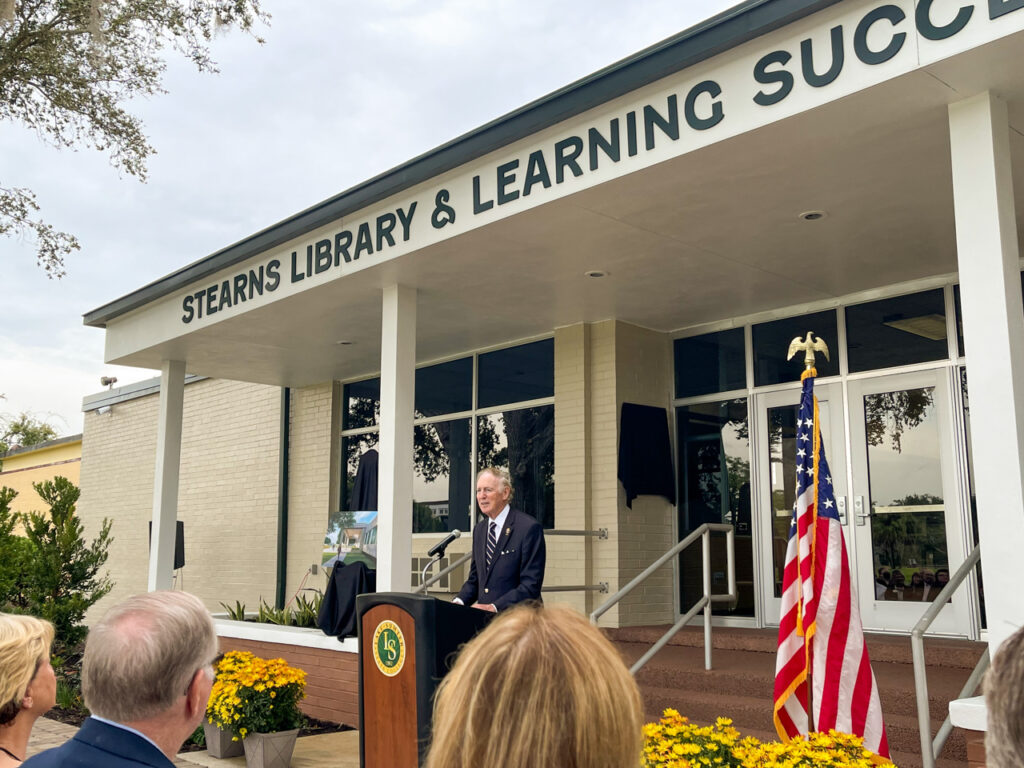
point(698, 228)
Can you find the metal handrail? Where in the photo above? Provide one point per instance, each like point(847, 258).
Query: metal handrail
point(422, 588)
point(601, 587)
point(931, 748)
point(704, 533)
point(600, 533)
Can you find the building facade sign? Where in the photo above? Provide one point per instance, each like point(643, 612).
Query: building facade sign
point(837, 52)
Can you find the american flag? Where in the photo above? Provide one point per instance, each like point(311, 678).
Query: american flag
point(820, 630)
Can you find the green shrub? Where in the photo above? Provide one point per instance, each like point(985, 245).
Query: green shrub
point(15, 554)
point(55, 573)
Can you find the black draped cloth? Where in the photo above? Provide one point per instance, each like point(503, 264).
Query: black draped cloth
point(364, 489)
point(338, 609)
point(645, 454)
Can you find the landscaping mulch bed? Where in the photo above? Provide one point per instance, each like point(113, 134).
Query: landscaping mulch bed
point(67, 716)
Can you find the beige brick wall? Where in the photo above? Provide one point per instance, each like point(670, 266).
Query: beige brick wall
point(597, 368)
point(644, 370)
point(602, 441)
point(118, 459)
point(227, 493)
point(312, 479)
point(568, 556)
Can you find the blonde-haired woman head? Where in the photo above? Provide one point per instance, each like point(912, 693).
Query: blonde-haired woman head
point(28, 686)
point(539, 687)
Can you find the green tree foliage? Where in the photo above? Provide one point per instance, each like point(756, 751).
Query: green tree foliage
point(22, 431)
point(60, 574)
point(15, 551)
point(68, 70)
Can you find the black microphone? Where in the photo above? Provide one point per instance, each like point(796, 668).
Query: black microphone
point(439, 548)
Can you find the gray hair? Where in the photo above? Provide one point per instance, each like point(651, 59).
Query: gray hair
point(141, 657)
point(1004, 697)
point(501, 474)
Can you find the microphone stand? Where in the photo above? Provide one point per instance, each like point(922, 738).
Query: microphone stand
point(423, 576)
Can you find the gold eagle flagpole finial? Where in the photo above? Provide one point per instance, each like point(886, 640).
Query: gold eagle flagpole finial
point(808, 346)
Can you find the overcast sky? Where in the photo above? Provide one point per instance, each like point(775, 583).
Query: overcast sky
point(339, 93)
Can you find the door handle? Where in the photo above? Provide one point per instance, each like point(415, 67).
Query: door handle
point(858, 510)
point(841, 509)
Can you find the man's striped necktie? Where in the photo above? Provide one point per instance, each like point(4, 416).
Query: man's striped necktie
point(492, 542)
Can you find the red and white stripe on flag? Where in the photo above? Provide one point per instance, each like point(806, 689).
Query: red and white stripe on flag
point(820, 629)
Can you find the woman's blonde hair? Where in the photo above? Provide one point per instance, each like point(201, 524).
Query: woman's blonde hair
point(539, 687)
point(24, 645)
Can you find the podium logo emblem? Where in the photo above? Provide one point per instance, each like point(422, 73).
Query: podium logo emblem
point(389, 648)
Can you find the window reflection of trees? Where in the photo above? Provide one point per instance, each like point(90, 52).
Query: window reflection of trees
point(887, 415)
point(714, 483)
point(521, 440)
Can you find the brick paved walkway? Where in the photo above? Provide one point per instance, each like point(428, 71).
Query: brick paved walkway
point(48, 733)
point(337, 750)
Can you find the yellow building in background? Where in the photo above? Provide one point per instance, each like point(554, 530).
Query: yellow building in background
point(24, 466)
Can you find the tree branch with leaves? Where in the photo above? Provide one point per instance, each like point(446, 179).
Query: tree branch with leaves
point(69, 68)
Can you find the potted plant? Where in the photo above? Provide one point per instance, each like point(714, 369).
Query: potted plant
point(257, 701)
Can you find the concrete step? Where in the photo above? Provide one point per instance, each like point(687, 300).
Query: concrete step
point(740, 684)
point(753, 674)
point(939, 651)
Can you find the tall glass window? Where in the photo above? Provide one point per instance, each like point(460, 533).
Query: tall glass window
point(446, 422)
point(771, 345)
point(442, 460)
point(361, 406)
point(897, 331)
point(712, 362)
point(714, 487)
point(524, 441)
point(517, 374)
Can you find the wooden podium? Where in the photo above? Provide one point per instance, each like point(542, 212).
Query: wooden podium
point(406, 645)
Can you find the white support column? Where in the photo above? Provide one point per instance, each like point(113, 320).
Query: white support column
point(165, 479)
point(990, 290)
point(394, 491)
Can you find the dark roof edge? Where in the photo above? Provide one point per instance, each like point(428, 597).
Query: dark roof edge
point(109, 397)
point(40, 446)
point(721, 32)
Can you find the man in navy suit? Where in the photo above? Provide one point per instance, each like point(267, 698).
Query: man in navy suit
point(508, 551)
point(146, 677)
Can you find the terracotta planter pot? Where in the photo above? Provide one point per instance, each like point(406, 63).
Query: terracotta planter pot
point(270, 750)
point(219, 743)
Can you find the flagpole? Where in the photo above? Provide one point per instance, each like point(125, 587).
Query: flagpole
point(816, 566)
point(808, 346)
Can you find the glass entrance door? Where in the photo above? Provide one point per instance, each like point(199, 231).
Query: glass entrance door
point(777, 448)
point(904, 506)
point(896, 492)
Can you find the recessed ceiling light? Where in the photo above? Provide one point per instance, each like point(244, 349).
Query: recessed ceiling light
point(813, 215)
point(595, 273)
point(344, 343)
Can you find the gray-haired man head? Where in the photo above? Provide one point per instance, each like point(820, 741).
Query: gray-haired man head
point(1004, 698)
point(146, 678)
